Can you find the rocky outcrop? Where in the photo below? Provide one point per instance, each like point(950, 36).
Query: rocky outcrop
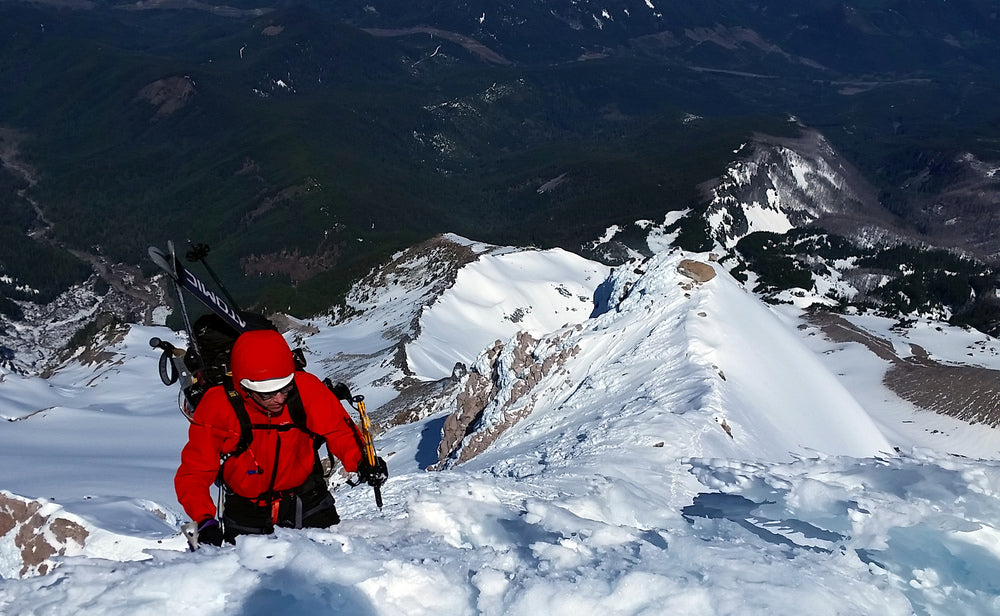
point(696, 270)
point(498, 393)
point(36, 535)
point(168, 95)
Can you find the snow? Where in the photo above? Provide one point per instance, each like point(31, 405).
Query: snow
point(761, 360)
point(700, 452)
point(769, 217)
point(554, 288)
point(659, 239)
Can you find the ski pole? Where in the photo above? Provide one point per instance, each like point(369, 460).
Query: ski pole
point(198, 252)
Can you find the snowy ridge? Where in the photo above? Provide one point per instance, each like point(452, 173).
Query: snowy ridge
point(709, 353)
point(363, 344)
point(688, 450)
point(554, 288)
point(35, 531)
point(788, 398)
point(778, 185)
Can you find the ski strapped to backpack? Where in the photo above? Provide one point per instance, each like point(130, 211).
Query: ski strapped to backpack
point(211, 337)
point(184, 278)
point(198, 368)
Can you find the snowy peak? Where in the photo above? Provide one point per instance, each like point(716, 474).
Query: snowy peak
point(779, 184)
point(498, 296)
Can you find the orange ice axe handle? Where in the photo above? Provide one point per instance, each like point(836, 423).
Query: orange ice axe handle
point(369, 445)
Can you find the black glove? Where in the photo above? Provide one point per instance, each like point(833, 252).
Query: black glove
point(375, 475)
point(343, 392)
point(209, 532)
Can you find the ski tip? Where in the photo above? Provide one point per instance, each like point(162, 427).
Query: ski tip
point(163, 261)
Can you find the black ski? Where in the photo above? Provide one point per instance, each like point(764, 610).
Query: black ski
point(181, 275)
point(175, 364)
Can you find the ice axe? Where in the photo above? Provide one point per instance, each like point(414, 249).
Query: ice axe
point(367, 444)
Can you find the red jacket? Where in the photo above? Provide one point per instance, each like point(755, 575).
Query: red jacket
point(215, 430)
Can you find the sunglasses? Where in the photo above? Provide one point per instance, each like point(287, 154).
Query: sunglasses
point(265, 396)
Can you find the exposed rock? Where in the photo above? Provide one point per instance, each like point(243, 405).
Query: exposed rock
point(293, 264)
point(696, 270)
point(969, 393)
point(285, 324)
point(418, 400)
point(497, 395)
point(725, 426)
point(37, 536)
point(168, 95)
point(478, 392)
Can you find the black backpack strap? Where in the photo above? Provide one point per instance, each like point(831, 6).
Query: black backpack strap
point(246, 427)
point(296, 411)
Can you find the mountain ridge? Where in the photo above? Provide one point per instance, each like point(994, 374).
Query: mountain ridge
point(693, 420)
point(360, 146)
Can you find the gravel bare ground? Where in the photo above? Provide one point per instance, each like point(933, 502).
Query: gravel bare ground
point(969, 393)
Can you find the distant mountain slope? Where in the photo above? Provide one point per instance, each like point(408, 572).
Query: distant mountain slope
point(820, 35)
point(306, 144)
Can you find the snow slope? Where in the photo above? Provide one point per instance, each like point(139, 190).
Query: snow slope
point(697, 453)
point(498, 296)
